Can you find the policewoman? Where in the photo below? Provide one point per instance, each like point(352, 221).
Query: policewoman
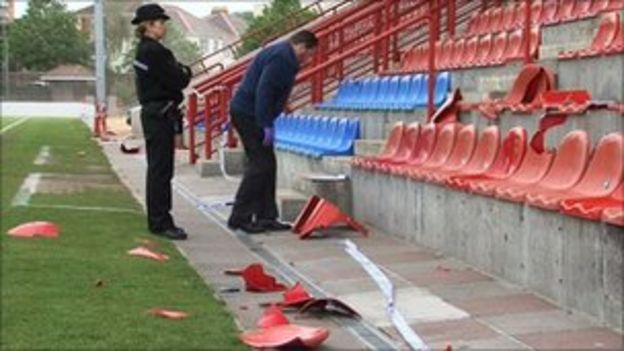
point(160, 79)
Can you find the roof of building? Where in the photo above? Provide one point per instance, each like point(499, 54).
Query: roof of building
point(69, 73)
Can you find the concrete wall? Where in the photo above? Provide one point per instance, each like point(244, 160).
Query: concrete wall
point(575, 262)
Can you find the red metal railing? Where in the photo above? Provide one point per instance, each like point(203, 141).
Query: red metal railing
point(198, 67)
point(361, 39)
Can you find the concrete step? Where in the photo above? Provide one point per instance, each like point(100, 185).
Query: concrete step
point(334, 188)
point(369, 147)
point(290, 203)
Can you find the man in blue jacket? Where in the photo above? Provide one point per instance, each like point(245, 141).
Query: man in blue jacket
point(259, 100)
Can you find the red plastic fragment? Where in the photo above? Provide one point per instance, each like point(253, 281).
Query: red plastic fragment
point(273, 316)
point(257, 280)
point(142, 251)
point(329, 305)
point(32, 229)
point(168, 314)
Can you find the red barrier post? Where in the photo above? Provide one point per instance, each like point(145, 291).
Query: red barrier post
point(433, 37)
point(191, 113)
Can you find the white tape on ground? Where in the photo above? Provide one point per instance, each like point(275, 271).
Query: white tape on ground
point(13, 125)
point(387, 289)
point(26, 191)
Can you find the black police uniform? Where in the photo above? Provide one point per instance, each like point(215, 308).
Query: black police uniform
point(160, 80)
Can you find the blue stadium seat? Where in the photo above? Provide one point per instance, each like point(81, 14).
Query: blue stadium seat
point(393, 93)
point(315, 135)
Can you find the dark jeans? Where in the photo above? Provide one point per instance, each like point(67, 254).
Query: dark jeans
point(256, 193)
point(158, 131)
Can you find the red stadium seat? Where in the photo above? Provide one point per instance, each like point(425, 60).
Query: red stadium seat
point(592, 208)
point(598, 6)
point(615, 5)
point(568, 166)
point(582, 9)
point(403, 153)
point(470, 52)
point(520, 15)
point(509, 17)
point(603, 174)
point(617, 46)
point(473, 24)
point(441, 152)
point(484, 49)
point(408, 62)
point(606, 34)
point(498, 49)
point(458, 53)
point(390, 148)
point(422, 151)
point(484, 154)
point(484, 22)
point(461, 154)
point(509, 157)
point(615, 214)
point(566, 10)
point(445, 56)
point(536, 12)
point(533, 168)
point(496, 20)
point(514, 46)
point(549, 12)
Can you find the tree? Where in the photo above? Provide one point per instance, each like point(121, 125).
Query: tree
point(274, 20)
point(46, 37)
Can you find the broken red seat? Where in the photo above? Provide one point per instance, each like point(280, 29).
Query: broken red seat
point(404, 152)
point(603, 175)
point(319, 214)
point(566, 101)
point(567, 167)
point(459, 157)
point(592, 208)
point(533, 168)
point(422, 151)
point(441, 152)
point(607, 32)
point(509, 157)
point(390, 148)
point(482, 158)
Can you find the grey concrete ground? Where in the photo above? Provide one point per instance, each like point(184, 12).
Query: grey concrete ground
point(445, 300)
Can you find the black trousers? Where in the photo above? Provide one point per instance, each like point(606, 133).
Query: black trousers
point(255, 198)
point(158, 130)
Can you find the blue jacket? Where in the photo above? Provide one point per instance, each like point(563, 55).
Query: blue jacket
point(267, 84)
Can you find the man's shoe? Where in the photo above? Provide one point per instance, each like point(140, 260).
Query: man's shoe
point(248, 227)
point(174, 233)
point(274, 225)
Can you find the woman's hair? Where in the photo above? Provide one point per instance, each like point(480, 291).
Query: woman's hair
point(141, 29)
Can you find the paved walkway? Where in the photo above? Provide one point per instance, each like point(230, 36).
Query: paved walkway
point(445, 301)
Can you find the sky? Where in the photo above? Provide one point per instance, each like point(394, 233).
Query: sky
point(196, 7)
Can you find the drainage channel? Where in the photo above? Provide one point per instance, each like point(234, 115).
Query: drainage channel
point(363, 330)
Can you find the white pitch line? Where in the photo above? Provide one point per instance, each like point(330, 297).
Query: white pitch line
point(43, 157)
point(13, 125)
point(88, 208)
point(26, 191)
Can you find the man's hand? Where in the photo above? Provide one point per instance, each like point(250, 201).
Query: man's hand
point(269, 135)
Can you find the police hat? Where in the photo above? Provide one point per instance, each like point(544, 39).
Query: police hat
point(149, 12)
